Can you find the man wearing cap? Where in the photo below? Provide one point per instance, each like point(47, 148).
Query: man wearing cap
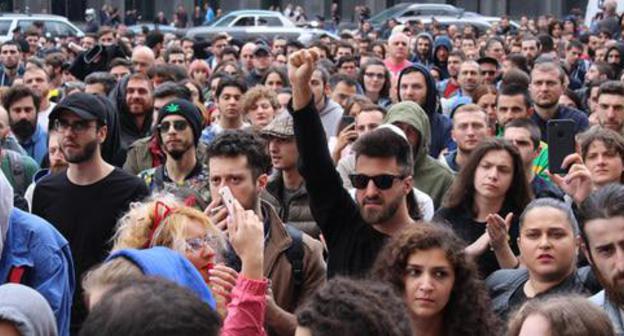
point(85, 202)
point(179, 127)
point(262, 59)
point(286, 189)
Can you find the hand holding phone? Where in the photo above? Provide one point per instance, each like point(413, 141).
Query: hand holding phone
point(228, 200)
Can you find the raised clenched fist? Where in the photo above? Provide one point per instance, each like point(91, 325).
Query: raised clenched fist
point(301, 66)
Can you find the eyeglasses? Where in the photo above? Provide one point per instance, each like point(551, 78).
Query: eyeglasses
point(61, 125)
point(374, 75)
point(211, 240)
point(178, 125)
point(383, 181)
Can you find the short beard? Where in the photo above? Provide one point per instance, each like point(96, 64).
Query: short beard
point(177, 154)
point(86, 154)
point(614, 294)
point(58, 168)
point(382, 216)
point(23, 129)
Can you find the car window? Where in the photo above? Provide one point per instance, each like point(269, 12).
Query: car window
point(225, 21)
point(57, 28)
point(25, 24)
point(5, 25)
point(269, 21)
point(245, 21)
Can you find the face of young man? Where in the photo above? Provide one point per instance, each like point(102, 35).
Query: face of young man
point(529, 49)
point(454, 63)
point(547, 244)
point(605, 250)
point(488, 72)
point(229, 102)
point(79, 138)
point(37, 80)
point(176, 142)
point(423, 46)
point(318, 89)
point(342, 92)
point(521, 139)
point(23, 117)
point(234, 172)
point(139, 96)
point(367, 121)
point(546, 88)
point(604, 164)
point(469, 77)
point(611, 111)
point(413, 87)
point(469, 128)
point(378, 205)
point(283, 152)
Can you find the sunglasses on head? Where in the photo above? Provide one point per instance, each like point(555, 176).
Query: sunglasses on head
point(383, 181)
point(178, 125)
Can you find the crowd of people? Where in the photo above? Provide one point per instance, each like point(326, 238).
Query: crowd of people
point(392, 182)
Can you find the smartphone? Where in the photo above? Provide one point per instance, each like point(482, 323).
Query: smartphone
point(560, 137)
point(228, 199)
point(344, 122)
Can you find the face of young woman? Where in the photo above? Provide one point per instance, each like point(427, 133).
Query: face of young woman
point(198, 251)
point(494, 174)
point(429, 280)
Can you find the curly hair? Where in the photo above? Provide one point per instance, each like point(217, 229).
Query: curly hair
point(468, 311)
point(256, 93)
point(236, 143)
point(350, 307)
point(136, 228)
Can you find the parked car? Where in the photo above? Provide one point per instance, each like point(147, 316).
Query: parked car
point(411, 10)
point(479, 23)
point(253, 24)
point(54, 25)
point(150, 26)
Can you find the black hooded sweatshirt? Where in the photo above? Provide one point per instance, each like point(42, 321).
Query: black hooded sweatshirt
point(129, 131)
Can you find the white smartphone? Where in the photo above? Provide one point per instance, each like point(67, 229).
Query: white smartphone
point(228, 199)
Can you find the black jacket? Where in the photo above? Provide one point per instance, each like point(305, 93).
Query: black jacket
point(352, 243)
point(504, 283)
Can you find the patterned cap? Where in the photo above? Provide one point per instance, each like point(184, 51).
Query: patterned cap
point(280, 127)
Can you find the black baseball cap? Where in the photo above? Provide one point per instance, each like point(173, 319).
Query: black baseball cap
point(86, 106)
point(262, 50)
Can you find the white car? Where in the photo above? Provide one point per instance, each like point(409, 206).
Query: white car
point(54, 25)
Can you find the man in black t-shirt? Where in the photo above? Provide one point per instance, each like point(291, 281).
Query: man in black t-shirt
point(85, 202)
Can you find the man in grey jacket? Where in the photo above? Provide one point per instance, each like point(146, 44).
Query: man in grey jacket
point(602, 221)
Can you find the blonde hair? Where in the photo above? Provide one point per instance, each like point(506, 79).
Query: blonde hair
point(136, 229)
point(256, 93)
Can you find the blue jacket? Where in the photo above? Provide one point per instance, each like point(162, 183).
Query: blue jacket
point(33, 243)
point(442, 42)
point(170, 265)
point(37, 145)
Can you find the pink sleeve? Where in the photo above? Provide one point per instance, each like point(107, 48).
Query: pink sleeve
point(246, 311)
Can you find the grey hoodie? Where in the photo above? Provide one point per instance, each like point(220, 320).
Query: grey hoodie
point(27, 310)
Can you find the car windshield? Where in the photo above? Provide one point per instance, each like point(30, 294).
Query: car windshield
point(224, 21)
point(384, 15)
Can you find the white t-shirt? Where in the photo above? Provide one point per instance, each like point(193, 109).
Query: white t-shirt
point(42, 116)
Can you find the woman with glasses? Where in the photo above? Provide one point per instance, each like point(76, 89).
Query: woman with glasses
point(484, 202)
point(375, 80)
point(428, 266)
point(163, 221)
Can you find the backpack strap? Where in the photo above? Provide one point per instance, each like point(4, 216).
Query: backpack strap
point(295, 255)
point(16, 274)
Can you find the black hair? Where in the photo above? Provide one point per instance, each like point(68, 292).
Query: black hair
point(612, 87)
point(346, 59)
point(341, 78)
point(13, 43)
point(172, 50)
point(170, 72)
point(171, 89)
point(386, 143)
point(350, 307)
point(514, 90)
point(17, 92)
point(150, 306)
point(529, 125)
point(607, 202)
point(107, 80)
point(230, 82)
point(120, 62)
point(153, 38)
point(236, 143)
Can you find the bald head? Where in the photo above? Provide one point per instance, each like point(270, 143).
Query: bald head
point(142, 58)
point(246, 55)
point(397, 47)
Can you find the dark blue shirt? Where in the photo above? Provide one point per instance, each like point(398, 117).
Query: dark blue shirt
point(581, 122)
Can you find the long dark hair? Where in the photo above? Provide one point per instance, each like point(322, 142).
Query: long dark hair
point(385, 89)
point(468, 311)
point(462, 190)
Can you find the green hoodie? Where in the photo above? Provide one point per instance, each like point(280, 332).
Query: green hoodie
point(429, 175)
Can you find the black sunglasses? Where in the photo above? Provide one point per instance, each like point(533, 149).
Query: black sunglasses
point(383, 181)
point(178, 125)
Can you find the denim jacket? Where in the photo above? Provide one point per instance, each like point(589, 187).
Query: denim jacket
point(34, 244)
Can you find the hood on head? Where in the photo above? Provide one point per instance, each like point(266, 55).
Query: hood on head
point(428, 37)
point(620, 48)
point(27, 310)
point(170, 265)
point(412, 114)
point(431, 103)
point(442, 41)
point(6, 206)
point(118, 97)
